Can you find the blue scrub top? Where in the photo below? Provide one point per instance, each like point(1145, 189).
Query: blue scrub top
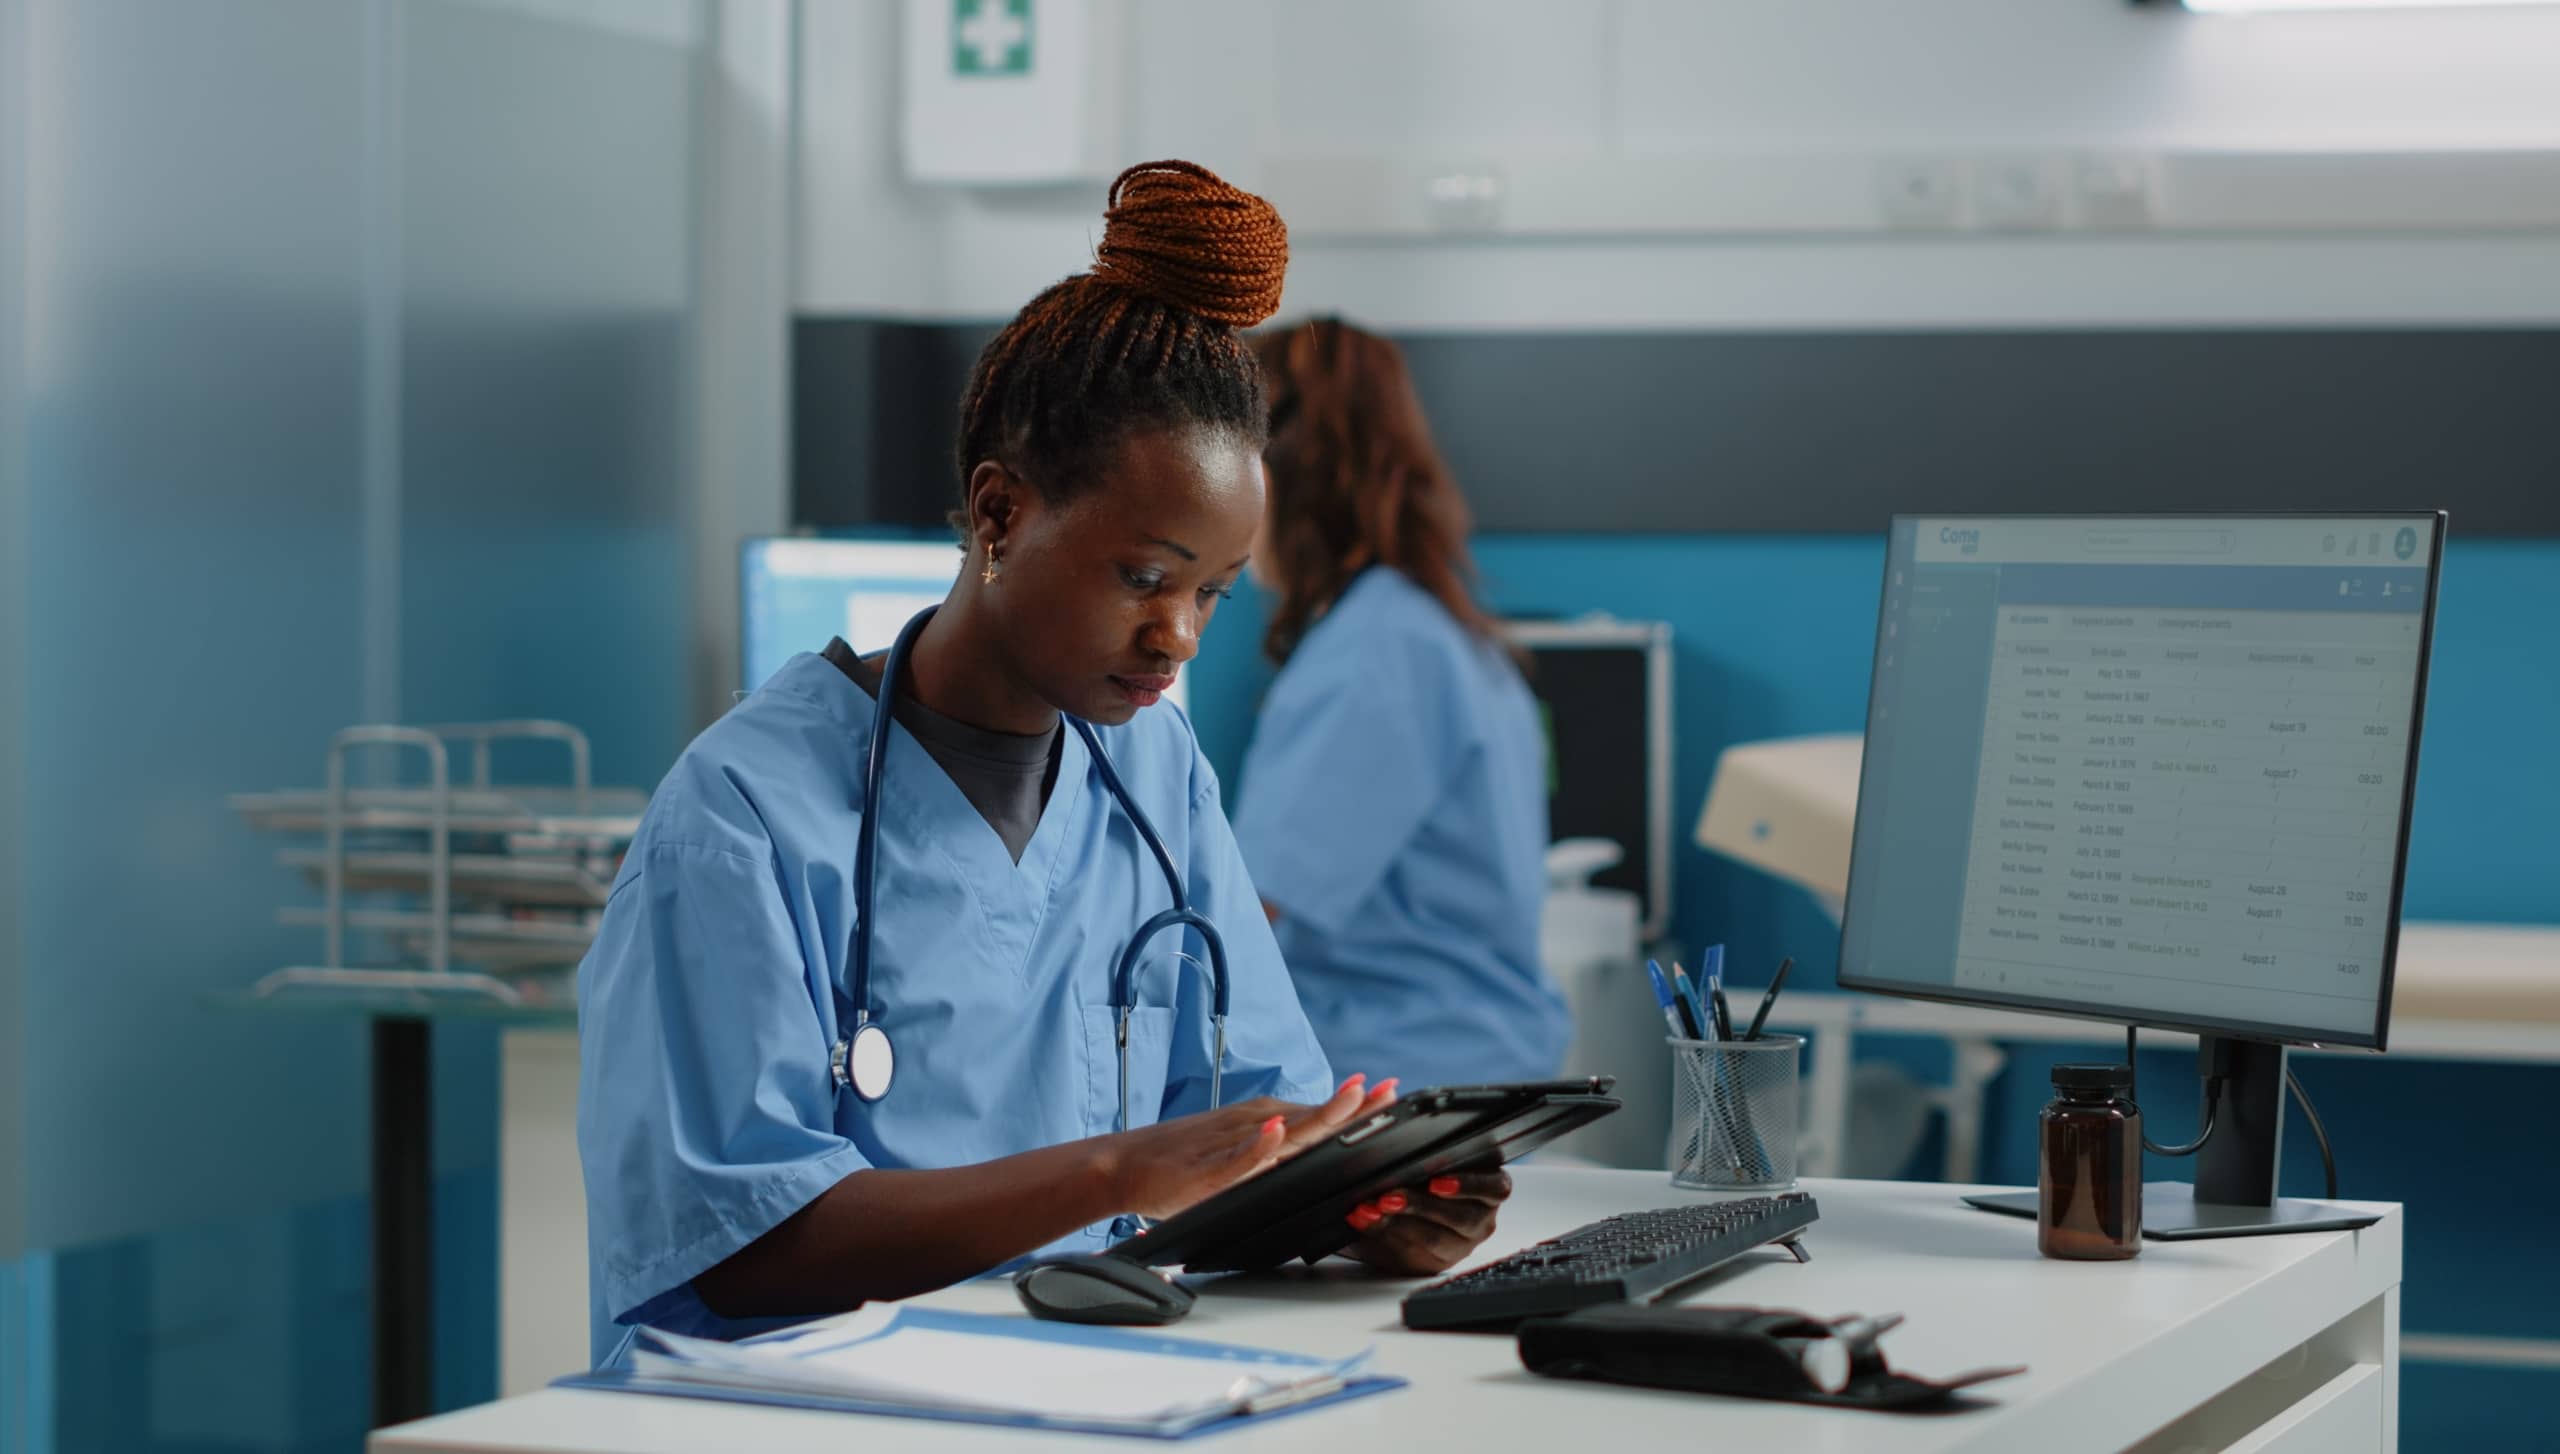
point(717, 983)
point(1395, 812)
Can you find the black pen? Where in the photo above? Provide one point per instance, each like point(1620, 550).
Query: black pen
point(1775, 982)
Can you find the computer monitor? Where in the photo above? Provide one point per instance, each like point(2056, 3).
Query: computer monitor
point(1604, 693)
point(796, 592)
point(2154, 771)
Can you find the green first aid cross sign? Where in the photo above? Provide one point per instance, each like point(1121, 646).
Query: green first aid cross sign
point(991, 37)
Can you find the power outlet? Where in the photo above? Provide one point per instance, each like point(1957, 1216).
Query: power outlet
point(2113, 191)
point(1464, 200)
point(2019, 193)
point(1920, 192)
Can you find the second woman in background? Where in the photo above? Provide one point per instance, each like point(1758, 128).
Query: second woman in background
point(1394, 813)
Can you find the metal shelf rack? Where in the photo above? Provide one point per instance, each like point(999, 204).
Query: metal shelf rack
point(488, 882)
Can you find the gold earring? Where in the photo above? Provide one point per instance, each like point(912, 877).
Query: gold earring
point(988, 576)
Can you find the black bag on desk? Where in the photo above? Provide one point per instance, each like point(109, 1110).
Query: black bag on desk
point(1746, 1352)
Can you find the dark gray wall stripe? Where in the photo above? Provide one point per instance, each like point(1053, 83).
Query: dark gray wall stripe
point(874, 406)
point(1835, 431)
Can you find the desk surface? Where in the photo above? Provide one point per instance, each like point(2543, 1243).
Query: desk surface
point(2113, 1349)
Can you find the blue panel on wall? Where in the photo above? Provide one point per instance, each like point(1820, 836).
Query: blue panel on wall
point(222, 1335)
point(1774, 637)
point(2451, 1410)
point(26, 1355)
point(466, 1299)
point(244, 1333)
point(1771, 638)
point(2488, 781)
point(1227, 681)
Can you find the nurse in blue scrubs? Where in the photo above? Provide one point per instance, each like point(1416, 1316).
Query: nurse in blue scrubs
point(1394, 811)
point(736, 1174)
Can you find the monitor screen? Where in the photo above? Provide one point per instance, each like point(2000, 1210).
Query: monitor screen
point(796, 593)
point(1604, 699)
point(2149, 770)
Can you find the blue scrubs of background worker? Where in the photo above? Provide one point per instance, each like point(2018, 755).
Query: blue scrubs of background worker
point(1394, 802)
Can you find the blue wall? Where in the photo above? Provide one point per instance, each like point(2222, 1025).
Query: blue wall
point(1774, 638)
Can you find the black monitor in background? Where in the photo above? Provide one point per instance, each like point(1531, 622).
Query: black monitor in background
point(1604, 692)
point(2154, 771)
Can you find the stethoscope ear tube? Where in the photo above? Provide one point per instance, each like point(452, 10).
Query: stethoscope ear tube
point(865, 1061)
point(1124, 989)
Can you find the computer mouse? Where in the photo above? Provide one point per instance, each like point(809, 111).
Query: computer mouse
point(1096, 1287)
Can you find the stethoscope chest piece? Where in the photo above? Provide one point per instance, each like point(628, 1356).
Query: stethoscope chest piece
point(865, 1063)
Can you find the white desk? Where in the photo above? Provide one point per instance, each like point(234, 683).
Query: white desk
point(2482, 992)
point(2263, 1344)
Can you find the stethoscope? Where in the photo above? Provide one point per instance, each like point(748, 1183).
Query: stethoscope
point(865, 1062)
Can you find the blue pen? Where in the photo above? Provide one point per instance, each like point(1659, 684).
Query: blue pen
point(1690, 1004)
point(1718, 1106)
point(1714, 993)
point(1672, 1011)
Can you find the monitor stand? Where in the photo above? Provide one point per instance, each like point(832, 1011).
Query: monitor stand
point(2234, 1194)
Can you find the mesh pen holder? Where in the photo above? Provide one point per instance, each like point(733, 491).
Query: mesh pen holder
point(1733, 1113)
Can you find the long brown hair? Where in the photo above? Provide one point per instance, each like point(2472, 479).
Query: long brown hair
point(1355, 481)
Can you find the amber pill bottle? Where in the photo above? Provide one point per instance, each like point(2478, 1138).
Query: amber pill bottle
point(2089, 1166)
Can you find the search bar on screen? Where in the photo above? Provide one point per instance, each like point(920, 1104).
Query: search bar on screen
point(2159, 540)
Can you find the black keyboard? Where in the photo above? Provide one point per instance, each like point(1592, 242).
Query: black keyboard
point(1625, 1258)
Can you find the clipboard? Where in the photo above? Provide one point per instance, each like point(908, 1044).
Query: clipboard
point(1346, 1382)
point(1296, 1210)
point(623, 1380)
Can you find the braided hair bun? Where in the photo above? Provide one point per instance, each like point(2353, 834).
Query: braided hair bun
point(1147, 339)
point(1176, 233)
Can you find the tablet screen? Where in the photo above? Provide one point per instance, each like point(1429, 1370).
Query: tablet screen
point(1296, 1209)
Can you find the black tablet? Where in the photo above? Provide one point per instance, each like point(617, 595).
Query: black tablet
point(1296, 1209)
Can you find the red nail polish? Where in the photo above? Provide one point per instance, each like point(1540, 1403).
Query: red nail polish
point(1362, 1219)
point(1276, 1123)
point(1385, 1088)
point(1444, 1186)
point(1392, 1202)
point(1350, 1081)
